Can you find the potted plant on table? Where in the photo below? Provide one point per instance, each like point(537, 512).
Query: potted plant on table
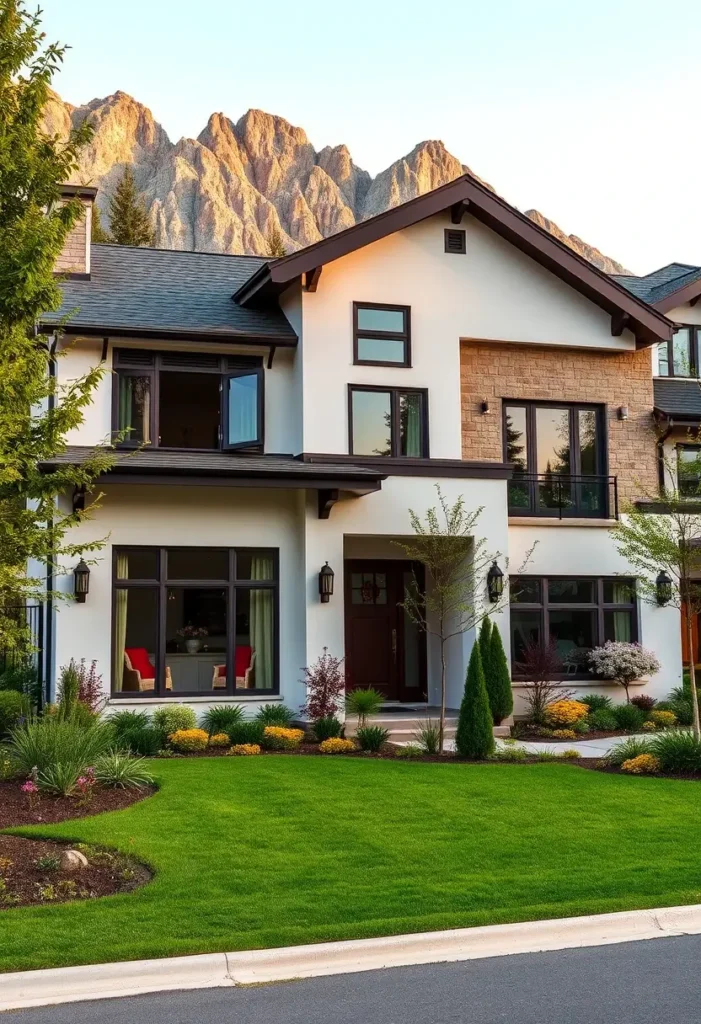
point(192, 635)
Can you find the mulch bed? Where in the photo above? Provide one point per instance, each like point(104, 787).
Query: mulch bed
point(24, 883)
point(528, 737)
point(15, 810)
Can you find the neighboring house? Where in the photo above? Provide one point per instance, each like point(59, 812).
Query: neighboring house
point(276, 416)
point(675, 291)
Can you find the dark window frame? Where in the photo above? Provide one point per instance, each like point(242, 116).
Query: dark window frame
point(599, 607)
point(696, 448)
point(162, 584)
point(693, 354)
point(394, 393)
point(404, 336)
point(213, 364)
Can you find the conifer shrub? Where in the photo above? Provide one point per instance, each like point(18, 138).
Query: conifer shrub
point(474, 737)
point(498, 679)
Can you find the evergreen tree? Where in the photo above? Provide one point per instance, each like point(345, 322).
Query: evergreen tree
point(275, 243)
point(35, 412)
point(501, 697)
point(129, 221)
point(97, 232)
point(485, 642)
point(474, 737)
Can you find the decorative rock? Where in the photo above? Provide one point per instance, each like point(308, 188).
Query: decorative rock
point(72, 861)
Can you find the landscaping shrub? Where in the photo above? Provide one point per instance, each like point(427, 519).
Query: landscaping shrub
point(274, 714)
point(325, 683)
point(364, 703)
point(22, 678)
point(626, 750)
point(60, 779)
point(474, 737)
point(428, 736)
point(51, 741)
point(276, 737)
point(603, 720)
point(91, 692)
point(624, 662)
point(125, 721)
point(188, 740)
point(663, 719)
point(219, 717)
point(498, 679)
point(564, 713)
point(510, 754)
point(596, 702)
point(644, 702)
point(581, 726)
point(628, 717)
point(244, 749)
point(219, 739)
point(678, 752)
point(409, 751)
point(564, 734)
point(335, 745)
point(684, 711)
point(372, 737)
point(120, 770)
point(643, 764)
point(546, 755)
point(542, 666)
point(13, 707)
point(173, 718)
point(570, 753)
point(246, 732)
point(143, 740)
point(327, 728)
point(649, 726)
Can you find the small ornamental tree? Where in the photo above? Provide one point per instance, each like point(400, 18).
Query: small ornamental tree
point(623, 662)
point(501, 697)
point(474, 737)
point(541, 666)
point(325, 682)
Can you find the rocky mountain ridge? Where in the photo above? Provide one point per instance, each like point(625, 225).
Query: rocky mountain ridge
point(238, 182)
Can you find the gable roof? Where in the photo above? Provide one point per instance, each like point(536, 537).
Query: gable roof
point(166, 293)
point(667, 287)
point(467, 194)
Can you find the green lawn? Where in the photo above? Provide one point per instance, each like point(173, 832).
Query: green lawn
point(275, 850)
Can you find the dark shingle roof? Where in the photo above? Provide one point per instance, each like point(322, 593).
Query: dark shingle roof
point(660, 283)
point(675, 396)
point(166, 290)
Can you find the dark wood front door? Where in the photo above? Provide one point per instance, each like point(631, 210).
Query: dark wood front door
point(383, 648)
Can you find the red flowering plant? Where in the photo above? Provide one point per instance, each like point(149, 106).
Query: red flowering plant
point(30, 788)
point(326, 683)
point(90, 688)
point(84, 786)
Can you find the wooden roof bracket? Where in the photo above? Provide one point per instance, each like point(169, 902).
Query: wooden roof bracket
point(619, 322)
point(311, 279)
point(458, 211)
point(327, 500)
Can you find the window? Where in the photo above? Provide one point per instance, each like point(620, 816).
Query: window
point(577, 613)
point(381, 335)
point(193, 621)
point(559, 456)
point(388, 422)
point(188, 400)
point(680, 356)
point(689, 470)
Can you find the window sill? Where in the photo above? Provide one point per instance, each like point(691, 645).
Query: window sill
point(228, 698)
point(573, 682)
point(605, 524)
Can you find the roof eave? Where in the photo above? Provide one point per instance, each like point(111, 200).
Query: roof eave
point(174, 334)
point(686, 294)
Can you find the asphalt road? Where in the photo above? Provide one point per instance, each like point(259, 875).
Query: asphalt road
point(651, 982)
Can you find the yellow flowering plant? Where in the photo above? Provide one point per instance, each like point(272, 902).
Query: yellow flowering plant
point(219, 739)
point(244, 749)
point(277, 737)
point(188, 741)
point(643, 764)
point(335, 745)
point(649, 726)
point(564, 734)
point(663, 719)
point(565, 713)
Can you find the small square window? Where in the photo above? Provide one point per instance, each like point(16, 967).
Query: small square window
point(381, 335)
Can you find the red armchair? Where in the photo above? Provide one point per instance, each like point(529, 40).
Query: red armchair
point(139, 673)
point(244, 662)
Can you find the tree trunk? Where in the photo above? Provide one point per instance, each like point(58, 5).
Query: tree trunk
point(441, 726)
point(692, 675)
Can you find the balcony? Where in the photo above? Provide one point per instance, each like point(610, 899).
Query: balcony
point(559, 496)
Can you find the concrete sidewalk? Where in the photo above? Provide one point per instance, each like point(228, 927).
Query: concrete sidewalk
point(587, 748)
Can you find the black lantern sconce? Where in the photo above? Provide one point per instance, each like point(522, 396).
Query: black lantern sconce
point(495, 582)
point(663, 586)
point(326, 583)
point(81, 581)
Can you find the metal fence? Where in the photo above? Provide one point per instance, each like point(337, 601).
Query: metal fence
point(31, 616)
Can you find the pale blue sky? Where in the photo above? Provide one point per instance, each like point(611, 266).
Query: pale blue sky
point(587, 111)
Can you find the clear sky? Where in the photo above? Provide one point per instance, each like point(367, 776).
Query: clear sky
point(587, 111)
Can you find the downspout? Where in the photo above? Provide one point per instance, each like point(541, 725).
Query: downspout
point(661, 438)
point(45, 690)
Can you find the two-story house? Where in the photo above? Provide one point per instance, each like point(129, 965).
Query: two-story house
point(276, 420)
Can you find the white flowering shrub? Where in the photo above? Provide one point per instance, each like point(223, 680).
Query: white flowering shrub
point(623, 661)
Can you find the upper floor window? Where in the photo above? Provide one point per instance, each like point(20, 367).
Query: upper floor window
point(388, 422)
point(188, 400)
point(689, 470)
point(381, 335)
point(560, 459)
point(680, 356)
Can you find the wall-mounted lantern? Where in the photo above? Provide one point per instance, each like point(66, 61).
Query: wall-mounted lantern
point(663, 586)
point(81, 581)
point(495, 582)
point(326, 583)
point(623, 412)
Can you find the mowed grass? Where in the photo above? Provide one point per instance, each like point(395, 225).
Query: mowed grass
point(275, 850)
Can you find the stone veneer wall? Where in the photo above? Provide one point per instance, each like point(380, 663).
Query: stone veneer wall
point(497, 370)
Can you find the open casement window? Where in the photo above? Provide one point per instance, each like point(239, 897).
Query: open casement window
point(242, 409)
point(680, 357)
point(381, 335)
point(388, 422)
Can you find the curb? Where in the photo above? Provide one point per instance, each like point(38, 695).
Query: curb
point(212, 970)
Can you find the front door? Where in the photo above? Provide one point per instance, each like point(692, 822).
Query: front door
point(384, 649)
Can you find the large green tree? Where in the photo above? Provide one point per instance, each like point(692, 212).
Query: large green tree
point(35, 410)
point(129, 223)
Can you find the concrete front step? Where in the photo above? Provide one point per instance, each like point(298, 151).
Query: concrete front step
point(403, 727)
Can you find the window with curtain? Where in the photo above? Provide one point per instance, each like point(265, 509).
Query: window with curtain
point(381, 335)
point(576, 613)
point(191, 621)
point(388, 422)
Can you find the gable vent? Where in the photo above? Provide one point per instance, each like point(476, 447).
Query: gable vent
point(455, 241)
point(193, 360)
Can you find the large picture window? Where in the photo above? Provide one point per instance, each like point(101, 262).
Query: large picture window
point(187, 400)
point(195, 621)
point(388, 422)
point(577, 613)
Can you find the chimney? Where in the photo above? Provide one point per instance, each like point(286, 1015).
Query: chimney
point(75, 258)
